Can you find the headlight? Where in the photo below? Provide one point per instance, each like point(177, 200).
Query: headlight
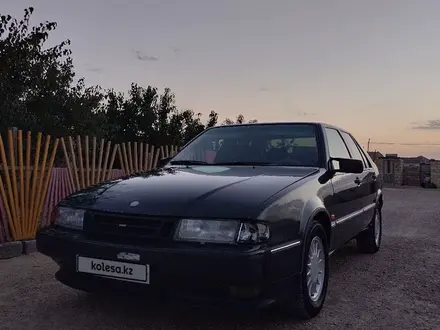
point(70, 218)
point(221, 231)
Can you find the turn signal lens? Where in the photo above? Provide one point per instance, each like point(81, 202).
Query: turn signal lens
point(253, 233)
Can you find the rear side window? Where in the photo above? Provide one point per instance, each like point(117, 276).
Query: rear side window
point(336, 145)
point(354, 150)
point(364, 154)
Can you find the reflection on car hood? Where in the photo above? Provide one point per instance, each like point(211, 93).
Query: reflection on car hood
point(201, 191)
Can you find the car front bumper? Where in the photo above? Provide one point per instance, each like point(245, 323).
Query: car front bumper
point(256, 277)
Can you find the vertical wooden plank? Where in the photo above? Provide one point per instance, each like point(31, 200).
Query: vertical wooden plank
point(120, 158)
point(101, 151)
point(7, 209)
point(45, 204)
point(9, 205)
point(4, 221)
point(45, 185)
point(14, 183)
point(75, 168)
point(80, 159)
point(34, 184)
point(69, 168)
point(127, 165)
point(35, 215)
point(146, 157)
point(136, 156)
point(151, 161)
point(156, 159)
point(93, 159)
point(28, 179)
point(107, 153)
point(22, 207)
point(64, 191)
point(87, 161)
point(112, 160)
point(141, 156)
point(53, 189)
point(130, 158)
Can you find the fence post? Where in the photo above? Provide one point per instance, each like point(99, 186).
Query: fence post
point(15, 142)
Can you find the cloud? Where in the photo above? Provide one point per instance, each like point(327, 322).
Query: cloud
point(304, 114)
point(433, 124)
point(176, 50)
point(264, 89)
point(144, 57)
point(95, 70)
point(91, 68)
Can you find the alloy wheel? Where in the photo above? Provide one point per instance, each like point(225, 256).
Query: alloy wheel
point(316, 269)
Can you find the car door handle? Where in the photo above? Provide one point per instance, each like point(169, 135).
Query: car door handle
point(357, 181)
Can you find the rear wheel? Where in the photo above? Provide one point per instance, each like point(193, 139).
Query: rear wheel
point(370, 239)
point(312, 286)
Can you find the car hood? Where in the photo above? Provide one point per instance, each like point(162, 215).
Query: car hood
point(202, 191)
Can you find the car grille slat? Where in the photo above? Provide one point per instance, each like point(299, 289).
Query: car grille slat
point(128, 229)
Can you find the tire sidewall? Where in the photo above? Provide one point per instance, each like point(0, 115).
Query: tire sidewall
point(377, 214)
point(313, 307)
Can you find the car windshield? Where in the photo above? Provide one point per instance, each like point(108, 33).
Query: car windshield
point(257, 144)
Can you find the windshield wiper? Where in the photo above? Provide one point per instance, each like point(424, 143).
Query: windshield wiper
point(188, 162)
point(245, 163)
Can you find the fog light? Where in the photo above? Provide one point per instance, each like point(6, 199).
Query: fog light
point(244, 291)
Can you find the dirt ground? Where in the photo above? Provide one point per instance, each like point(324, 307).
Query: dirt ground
point(398, 288)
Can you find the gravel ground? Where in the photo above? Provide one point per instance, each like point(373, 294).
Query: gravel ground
point(398, 288)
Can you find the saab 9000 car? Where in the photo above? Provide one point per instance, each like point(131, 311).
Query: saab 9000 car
point(242, 214)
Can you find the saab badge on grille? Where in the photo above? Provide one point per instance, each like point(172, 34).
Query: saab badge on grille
point(134, 203)
point(128, 256)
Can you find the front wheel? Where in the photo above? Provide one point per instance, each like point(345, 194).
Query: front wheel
point(312, 286)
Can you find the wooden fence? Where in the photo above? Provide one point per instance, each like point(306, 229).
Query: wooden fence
point(23, 194)
point(30, 186)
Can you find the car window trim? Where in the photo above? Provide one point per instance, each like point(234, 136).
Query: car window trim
point(357, 146)
point(369, 164)
point(366, 163)
point(343, 141)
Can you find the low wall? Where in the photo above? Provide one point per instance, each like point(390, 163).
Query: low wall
point(435, 173)
point(391, 169)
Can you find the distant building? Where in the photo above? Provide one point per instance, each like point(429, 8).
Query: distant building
point(409, 161)
point(375, 155)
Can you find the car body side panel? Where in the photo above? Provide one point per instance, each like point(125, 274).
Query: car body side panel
point(355, 195)
point(368, 191)
point(297, 205)
point(371, 186)
point(344, 208)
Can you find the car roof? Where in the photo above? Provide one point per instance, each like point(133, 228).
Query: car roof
point(288, 123)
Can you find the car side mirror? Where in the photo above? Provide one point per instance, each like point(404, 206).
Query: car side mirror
point(347, 165)
point(163, 161)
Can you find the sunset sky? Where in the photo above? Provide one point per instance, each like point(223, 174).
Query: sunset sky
point(372, 67)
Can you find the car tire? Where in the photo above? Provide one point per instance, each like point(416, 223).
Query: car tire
point(302, 304)
point(370, 239)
